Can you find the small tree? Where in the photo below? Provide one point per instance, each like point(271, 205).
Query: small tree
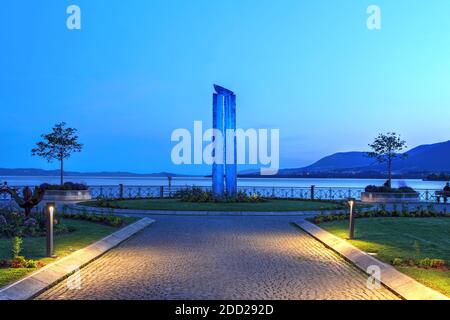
point(28, 201)
point(58, 145)
point(386, 148)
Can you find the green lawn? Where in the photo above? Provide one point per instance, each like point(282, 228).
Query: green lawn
point(34, 248)
point(269, 206)
point(415, 238)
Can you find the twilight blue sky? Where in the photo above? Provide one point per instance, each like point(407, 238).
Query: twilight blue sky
point(139, 69)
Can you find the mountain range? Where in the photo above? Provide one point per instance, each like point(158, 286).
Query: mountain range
point(423, 159)
point(420, 162)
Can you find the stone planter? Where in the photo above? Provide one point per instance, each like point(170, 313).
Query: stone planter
point(380, 197)
point(67, 195)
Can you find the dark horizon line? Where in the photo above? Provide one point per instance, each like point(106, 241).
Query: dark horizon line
point(301, 175)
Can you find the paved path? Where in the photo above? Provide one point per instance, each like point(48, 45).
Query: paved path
point(220, 258)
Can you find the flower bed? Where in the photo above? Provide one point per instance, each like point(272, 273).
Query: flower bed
point(386, 194)
point(22, 240)
point(386, 189)
point(69, 186)
point(109, 220)
point(426, 263)
point(196, 194)
point(33, 248)
point(66, 193)
point(14, 223)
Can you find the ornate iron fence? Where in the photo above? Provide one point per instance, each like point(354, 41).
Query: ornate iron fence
point(312, 192)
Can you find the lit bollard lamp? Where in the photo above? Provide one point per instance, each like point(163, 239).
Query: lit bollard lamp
point(50, 210)
point(351, 231)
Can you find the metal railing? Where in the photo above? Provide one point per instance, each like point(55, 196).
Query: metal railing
point(312, 192)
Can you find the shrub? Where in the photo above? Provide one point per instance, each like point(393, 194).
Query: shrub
point(105, 203)
point(14, 223)
point(114, 221)
point(437, 263)
point(424, 263)
point(372, 188)
point(31, 226)
point(319, 219)
point(194, 194)
point(404, 190)
point(395, 210)
point(16, 247)
point(4, 263)
point(197, 194)
point(381, 211)
point(31, 264)
point(62, 229)
point(66, 186)
point(19, 262)
point(110, 220)
point(431, 263)
point(405, 210)
point(386, 189)
point(431, 209)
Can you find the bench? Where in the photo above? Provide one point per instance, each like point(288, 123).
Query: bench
point(442, 194)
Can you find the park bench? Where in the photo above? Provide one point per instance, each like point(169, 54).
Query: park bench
point(442, 194)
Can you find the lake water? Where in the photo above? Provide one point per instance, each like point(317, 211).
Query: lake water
point(200, 181)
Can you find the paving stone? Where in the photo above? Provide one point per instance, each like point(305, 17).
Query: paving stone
point(212, 257)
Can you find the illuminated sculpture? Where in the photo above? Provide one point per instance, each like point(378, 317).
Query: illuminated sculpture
point(224, 181)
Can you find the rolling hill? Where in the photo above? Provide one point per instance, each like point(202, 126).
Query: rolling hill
point(422, 159)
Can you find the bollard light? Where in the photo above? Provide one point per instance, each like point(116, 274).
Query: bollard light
point(351, 232)
point(50, 210)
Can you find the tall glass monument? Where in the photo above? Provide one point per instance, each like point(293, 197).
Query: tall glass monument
point(224, 180)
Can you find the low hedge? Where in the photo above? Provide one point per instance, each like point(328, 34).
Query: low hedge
point(386, 189)
point(106, 219)
point(426, 263)
point(418, 212)
point(68, 186)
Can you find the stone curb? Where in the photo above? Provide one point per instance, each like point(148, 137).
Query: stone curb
point(393, 279)
point(198, 213)
point(45, 277)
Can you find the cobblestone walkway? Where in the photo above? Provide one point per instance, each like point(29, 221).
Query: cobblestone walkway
point(220, 258)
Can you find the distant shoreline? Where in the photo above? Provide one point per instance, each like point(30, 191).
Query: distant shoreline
point(4, 173)
point(202, 181)
point(156, 177)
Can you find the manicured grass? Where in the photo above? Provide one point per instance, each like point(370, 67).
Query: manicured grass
point(405, 238)
point(34, 248)
point(11, 275)
point(269, 206)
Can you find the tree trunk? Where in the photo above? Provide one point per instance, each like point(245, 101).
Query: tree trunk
point(62, 171)
point(390, 172)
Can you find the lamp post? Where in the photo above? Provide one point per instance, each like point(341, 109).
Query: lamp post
point(351, 232)
point(50, 210)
